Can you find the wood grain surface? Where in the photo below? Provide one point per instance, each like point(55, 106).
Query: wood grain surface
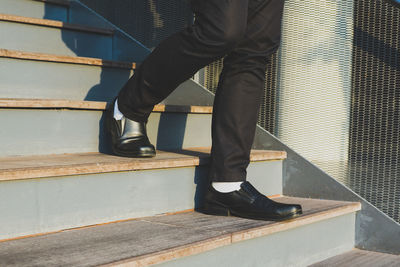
point(361, 258)
point(54, 24)
point(156, 239)
point(66, 59)
point(91, 105)
point(28, 167)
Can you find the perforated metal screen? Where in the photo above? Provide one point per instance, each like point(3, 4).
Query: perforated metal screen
point(339, 93)
point(374, 151)
point(149, 21)
point(332, 92)
point(314, 82)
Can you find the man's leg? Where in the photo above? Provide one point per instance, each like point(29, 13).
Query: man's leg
point(239, 91)
point(219, 25)
point(235, 116)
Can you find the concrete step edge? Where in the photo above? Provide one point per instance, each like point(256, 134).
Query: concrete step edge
point(28, 103)
point(31, 167)
point(6, 53)
point(54, 24)
point(65, 3)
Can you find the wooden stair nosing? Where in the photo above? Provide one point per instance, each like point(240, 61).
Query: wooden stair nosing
point(55, 2)
point(323, 215)
point(364, 258)
point(231, 238)
point(91, 105)
point(174, 253)
point(213, 232)
point(31, 167)
point(6, 53)
point(54, 24)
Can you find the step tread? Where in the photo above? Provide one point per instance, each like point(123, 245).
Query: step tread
point(28, 167)
point(65, 3)
point(90, 105)
point(65, 59)
point(157, 239)
point(358, 257)
point(54, 24)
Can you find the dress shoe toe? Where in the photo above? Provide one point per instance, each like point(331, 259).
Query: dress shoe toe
point(287, 209)
point(247, 203)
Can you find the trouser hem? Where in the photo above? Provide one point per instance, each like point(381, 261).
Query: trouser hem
point(227, 178)
point(131, 114)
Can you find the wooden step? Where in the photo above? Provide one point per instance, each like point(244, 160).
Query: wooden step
point(159, 239)
point(81, 123)
point(40, 194)
point(38, 9)
point(65, 3)
point(90, 105)
point(6, 53)
point(55, 37)
point(363, 258)
point(54, 24)
point(28, 167)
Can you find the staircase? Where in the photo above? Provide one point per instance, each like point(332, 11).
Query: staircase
point(65, 200)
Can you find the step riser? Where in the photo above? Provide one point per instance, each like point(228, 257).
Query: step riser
point(34, 9)
point(296, 247)
point(41, 132)
point(38, 79)
point(51, 204)
point(34, 38)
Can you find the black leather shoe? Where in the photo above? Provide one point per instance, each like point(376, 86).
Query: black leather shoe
point(128, 138)
point(247, 203)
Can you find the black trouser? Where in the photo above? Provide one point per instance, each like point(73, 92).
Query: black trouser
point(247, 32)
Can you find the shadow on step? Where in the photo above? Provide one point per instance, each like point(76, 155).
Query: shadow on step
point(110, 80)
point(200, 175)
point(200, 178)
point(171, 127)
point(201, 181)
point(170, 138)
point(104, 137)
point(171, 131)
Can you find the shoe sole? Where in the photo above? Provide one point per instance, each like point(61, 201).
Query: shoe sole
point(133, 155)
point(224, 211)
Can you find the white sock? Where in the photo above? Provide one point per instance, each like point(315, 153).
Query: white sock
point(117, 114)
point(226, 187)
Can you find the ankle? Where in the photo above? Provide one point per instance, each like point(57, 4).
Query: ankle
point(117, 113)
point(226, 187)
